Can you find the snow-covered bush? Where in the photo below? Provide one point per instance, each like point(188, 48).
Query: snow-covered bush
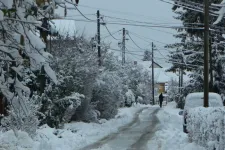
point(22, 117)
point(143, 87)
point(77, 67)
point(58, 111)
point(140, 100)
point(130, 99)
point(107, 94)
point(173, 90)
point(206, 127)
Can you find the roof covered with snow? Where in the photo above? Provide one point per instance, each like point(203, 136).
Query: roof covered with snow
point(160, 74)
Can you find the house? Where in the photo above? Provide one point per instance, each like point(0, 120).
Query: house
point(161, 77)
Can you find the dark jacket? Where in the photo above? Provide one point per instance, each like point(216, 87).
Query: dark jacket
point(161, 97)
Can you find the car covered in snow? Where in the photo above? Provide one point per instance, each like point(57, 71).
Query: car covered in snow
point(196, 100)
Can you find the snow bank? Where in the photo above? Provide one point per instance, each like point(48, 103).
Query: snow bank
point(169, 134)
point(206, 126)
point(72, 137)
point(8, 141)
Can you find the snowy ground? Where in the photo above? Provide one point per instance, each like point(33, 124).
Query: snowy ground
point(165, 135)
point(73, 137)
point(169, 134)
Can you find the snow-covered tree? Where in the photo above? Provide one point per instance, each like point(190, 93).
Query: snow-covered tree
point(76, 67)
point(173, 90)
point(189, 52)
point(23, 56)
point(144, 88)
point(147, 56)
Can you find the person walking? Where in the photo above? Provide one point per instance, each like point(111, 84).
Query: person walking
point(160, 100)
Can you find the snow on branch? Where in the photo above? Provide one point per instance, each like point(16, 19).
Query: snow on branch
point(221, 13)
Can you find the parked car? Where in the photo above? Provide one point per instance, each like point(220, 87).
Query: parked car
point(196, 100)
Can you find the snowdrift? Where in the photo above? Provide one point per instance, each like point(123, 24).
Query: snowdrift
point(206, 127)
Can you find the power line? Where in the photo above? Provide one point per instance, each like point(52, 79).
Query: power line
point(111, 34)
point(134, 42)
point(167, 60)
point(161, 53)
point(147, 38)
point(138, 25)
point(136, 50)
point(127, 53)
point(152, 23)
point(79, 10)
point(180, 63)
point(189, 6)
point(133, 55)
point(120, 12)
point(144, 39)
point(109, 31)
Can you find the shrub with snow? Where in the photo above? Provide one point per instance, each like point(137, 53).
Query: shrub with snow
point(130, 99)
point(106, 94)
point(59, 111)
point(206, 127)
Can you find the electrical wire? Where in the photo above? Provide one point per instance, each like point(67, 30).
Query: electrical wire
point(79, 10)
point(167, 60)
point(120, 12)
point(138, 25)
point(137, 50)
point(138, 36)
point(109, 31)
point(144, 22)
point(126, 52)
point(190, 7)
point(112, 34)
point(135, 42)
point(134, 55)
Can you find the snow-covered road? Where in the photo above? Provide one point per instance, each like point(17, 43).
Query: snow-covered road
point(133, 136)
point(153, 128)
point(141, 127)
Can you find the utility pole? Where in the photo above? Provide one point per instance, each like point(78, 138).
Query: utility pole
point(179, 80)
point(211, 68)
point(153, 92)
point(206, 54)
point(98, 38)
point(123, 46)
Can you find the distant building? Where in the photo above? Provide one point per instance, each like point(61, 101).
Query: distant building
point(161, 77)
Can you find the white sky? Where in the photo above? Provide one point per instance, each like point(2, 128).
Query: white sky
point(153, 11)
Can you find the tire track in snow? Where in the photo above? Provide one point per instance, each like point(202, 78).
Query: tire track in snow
point(112, 136)
point(148, 133)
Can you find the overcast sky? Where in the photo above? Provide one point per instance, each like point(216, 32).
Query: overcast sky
point(153, 11)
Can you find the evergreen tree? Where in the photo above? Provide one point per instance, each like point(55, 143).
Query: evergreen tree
point(147, 56)
point(189, 52)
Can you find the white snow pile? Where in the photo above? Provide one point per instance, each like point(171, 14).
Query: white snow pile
point(169, 134)
point(8, 141)
point(72, 137)
point(206, 127)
